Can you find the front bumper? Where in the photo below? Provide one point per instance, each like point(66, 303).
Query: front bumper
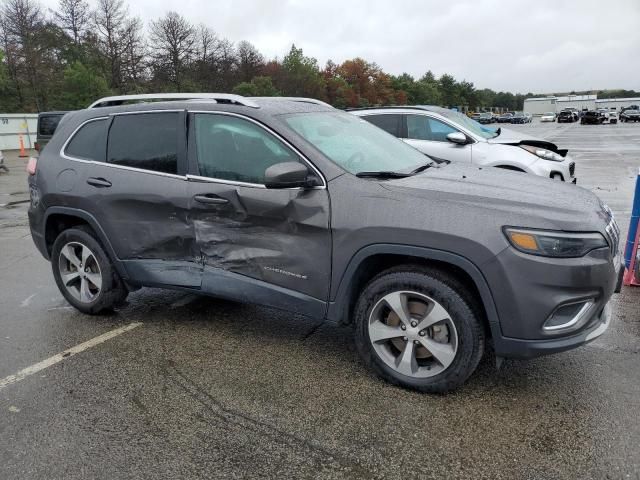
point(533, 288)
point(516, 348)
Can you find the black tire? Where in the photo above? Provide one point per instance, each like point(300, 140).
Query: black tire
point(453, 297)
point(113, 290)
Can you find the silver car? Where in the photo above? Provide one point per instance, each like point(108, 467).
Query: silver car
point(447, 135)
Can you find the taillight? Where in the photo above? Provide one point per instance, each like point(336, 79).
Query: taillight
point(31, 165)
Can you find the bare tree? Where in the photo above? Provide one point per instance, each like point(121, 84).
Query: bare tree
point(73, 16)
point(110, 18)
point(134, 61)
point(250, 61)
point(22, 26)
point(173, 44)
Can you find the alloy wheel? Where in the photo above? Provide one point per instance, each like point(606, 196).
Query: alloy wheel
point(80, 272)
point(413, 334)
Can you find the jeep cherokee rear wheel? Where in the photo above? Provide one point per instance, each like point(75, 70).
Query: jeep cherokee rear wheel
point(415, 329)
point(83, 272)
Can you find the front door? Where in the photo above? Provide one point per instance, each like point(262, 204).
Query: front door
point(429, 135)
point(266, 246)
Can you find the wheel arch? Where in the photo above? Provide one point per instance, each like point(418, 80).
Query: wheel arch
point(371, 260)
point(58, 219)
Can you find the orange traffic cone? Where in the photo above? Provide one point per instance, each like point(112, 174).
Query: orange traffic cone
point(23, 152)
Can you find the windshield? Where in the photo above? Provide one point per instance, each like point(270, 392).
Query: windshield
point(471, 125)
point(355, 144)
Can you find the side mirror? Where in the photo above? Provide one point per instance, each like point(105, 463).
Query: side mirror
point(458, 138)
point(288, 175)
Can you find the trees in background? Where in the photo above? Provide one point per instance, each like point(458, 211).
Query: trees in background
point(65, 59)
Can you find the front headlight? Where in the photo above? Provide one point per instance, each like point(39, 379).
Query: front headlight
point(543, 153)
point(554, 244)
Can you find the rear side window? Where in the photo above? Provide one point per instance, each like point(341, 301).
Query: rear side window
point(390, 123)
point(146, 140)
point(47, 124)
point(90, 142)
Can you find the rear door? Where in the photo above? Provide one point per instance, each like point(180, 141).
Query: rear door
point(390, 122)
point(137, 191)
point(429, 135)
point(267, 246)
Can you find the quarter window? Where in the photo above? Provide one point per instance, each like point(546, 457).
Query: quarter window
point(90, 142)
point(230, 148)
point(422, 127)
point(146, 140)
point(390, 123)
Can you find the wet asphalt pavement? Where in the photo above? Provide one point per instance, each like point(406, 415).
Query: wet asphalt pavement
point(211, 389)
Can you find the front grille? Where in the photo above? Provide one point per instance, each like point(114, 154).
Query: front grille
point(572, 168)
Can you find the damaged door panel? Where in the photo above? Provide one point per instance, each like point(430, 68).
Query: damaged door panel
point(141, 198)
point(250, 235)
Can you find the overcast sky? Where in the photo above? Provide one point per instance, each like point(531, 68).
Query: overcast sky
point(516, 45)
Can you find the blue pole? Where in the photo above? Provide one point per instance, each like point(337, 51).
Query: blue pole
point(633, 224)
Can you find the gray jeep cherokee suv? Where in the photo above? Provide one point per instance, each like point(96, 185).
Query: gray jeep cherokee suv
point(292, 204)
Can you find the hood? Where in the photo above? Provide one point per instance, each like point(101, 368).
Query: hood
point(511, 137)
point(517, 198)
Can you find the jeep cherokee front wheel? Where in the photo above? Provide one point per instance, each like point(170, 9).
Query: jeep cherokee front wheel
point(416, 328)
point(83, 272)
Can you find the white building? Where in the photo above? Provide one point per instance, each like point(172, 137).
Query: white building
point(538, 106)
point(13, 125)
point(617, 103)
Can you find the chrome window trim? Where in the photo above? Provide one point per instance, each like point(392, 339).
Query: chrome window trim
point(200, 178)
point(275, 134)
point(64, 155)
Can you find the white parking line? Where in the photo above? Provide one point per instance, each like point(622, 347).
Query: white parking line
point(22, 374)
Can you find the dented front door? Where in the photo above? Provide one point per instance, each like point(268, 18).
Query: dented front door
point(277, 236)
point(265, 240)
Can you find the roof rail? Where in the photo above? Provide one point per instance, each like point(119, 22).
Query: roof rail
point(296, 99)
point(217, 97)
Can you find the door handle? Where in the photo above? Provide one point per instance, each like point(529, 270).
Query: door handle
point(98, 182)
point(210, 199)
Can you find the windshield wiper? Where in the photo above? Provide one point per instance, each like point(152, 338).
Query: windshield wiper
point(382, 174)
point(498, 131)
point(422, 168)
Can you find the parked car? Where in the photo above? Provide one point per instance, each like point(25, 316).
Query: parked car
point(529, 117)
point(505, 118)
point(548, 117)
point(567, 116)
point(485, 118)
point(475, 115)
point(630, 107)
point(3, 167)
point(295, 205)
point(448, 136)
point(592, 117)
point(47, 124)
point(519, 117)
point(611, 117)
point(630, 116)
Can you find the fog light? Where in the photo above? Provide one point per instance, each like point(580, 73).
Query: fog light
point(572, 315)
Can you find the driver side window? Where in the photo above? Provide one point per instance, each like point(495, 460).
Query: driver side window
point(422, 127)
point(230, 148)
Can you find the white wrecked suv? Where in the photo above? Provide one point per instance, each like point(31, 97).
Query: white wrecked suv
point(292, 204)
point(451, 136)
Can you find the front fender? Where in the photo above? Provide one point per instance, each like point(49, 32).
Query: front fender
point(338, 307)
